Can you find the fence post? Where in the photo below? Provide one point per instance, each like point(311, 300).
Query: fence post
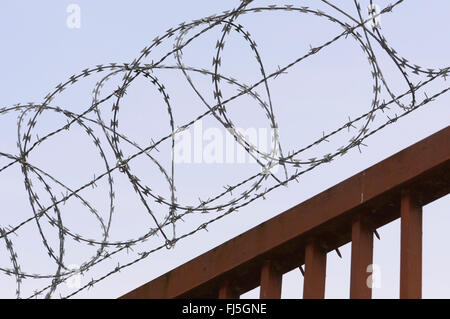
point(362, 257)
point(315, 271)
point(270, 281)
point(226, 291)
point(411, 247)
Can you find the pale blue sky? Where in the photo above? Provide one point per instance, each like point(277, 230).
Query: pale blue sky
point(38, 51)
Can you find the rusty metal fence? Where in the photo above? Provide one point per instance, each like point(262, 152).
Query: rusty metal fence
point(351, 211)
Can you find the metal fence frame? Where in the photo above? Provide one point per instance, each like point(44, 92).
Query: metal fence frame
point(350, 211)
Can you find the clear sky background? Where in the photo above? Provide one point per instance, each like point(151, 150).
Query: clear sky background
point(38, 51)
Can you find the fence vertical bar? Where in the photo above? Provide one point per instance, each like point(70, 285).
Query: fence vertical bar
point(362, 257)
point(411, 247)
point(315, 271)
point(226, 291)
point(271, 280)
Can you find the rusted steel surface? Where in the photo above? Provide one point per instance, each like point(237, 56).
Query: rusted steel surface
point(227, 291)
point(410, 247)
point(373, 193)
point(362, 256)
point(270, 281)
point(315, 271)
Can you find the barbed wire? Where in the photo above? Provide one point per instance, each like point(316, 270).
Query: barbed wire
point(246, 191)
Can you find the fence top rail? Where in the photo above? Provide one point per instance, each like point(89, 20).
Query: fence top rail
point(424, 168)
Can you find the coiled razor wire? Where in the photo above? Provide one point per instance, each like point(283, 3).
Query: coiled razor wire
point(253, 186)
